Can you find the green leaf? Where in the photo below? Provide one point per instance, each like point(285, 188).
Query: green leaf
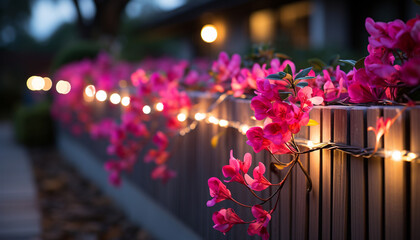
point(317, 64)
point(303, 73)
point(278, 76)
point(302, 84)
point(360, 63)
point(304, 78)
point(349, 61)
point(288, 69)
point(284, 95)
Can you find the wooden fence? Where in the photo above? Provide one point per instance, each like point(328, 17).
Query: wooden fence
point(352, 198)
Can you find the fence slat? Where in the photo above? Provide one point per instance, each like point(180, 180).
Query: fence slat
point(300, 205)
point(357, 176)
point(375, 180)
point(340, 175)
point(415, 173)
point(395, 187)
point(326, 175)
point(314, 171)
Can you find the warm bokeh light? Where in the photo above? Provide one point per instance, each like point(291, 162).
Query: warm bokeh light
point(47, 84)
point(101, 95)
point(90, 91)
point(199, 116)
point(63, 87)
point(159, 106)
point(262, 25)
point(125, 101)
point(35, 83)
point(310, 144)
point(244, 129)
point(223, 123)
point(411, 156)
point(213, 120)
point(209, 33)
point(147, 109)
point(181, 117)
point(115, 98)
point(396, 156)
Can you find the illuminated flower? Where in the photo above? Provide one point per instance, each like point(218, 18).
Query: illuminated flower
point(218, 191)
point(224, 219)
point(237, 168)
point(256, 139)
point(259, 182)
point(260, 225)
point(260, 105)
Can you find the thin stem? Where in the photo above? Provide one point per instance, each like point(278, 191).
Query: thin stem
point(282, 183)
point(243, 205)
point(308, 177)
point(277, 160)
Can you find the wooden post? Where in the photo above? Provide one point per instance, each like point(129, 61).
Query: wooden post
point(315, 173)
point(326, 174)
point(415, 172)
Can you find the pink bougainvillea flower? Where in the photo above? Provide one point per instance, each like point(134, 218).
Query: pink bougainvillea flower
point(257, 73)
point(162, 172)
point(410, 71)
point(239, 85)
point(226, 68)
point(260, 225)
point(279, 111)
point(218, 191)
point(256, 139)
point(259, 182)
point(160, 140)
point(224, 219)
point(277, 133)
point(260, 105)
point(306, 99)
point(115, 178)
point(297, 119)
point(268, 90)
point(237, 168)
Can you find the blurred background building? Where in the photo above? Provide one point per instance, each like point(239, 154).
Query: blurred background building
point(37, 36)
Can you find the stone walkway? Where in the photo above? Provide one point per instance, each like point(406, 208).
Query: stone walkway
point(19, 213)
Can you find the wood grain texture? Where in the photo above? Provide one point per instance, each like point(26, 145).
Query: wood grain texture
point(415, 172)
point(375, 180)
point(357, 176)
point(340, 177)
point(326, 174)
point(315, 173)
point(395, 185)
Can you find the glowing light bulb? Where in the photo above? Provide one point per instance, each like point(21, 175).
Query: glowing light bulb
point(411, 156)
point(181, 117)
point(244, 129)
point(310, 144)
point(209, 33)
point(159, 107)
point(101, 95)
point(223, 123)
point(396, 156)
point(147, 109)
point(47, 84)
point(213, 120)
point(199, 116)
point(115, 98)
point(35, 83)
point(90, 91)
point(125, 101)
point(63, 87)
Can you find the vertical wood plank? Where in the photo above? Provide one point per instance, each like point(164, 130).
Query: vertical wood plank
point(340, 177)
point(326, 174)
point(300, 205)
point(357, 176)
point(415, 172)
point(395, 186)
point(375, 180)
point(315, 173)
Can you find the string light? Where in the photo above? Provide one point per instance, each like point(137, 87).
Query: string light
point(47, 84)
point(115, 98)
point(200, 116)
point(147, 109)
point(90, 91)
point(396, 156)
point(62, 87)
point(310, 144)
point(223, 123)
point(35, 83)
point(159, 107)
point(125, 101)
point(213, 120)
point(411, 156)
point(101, 95)
point(181, 117)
